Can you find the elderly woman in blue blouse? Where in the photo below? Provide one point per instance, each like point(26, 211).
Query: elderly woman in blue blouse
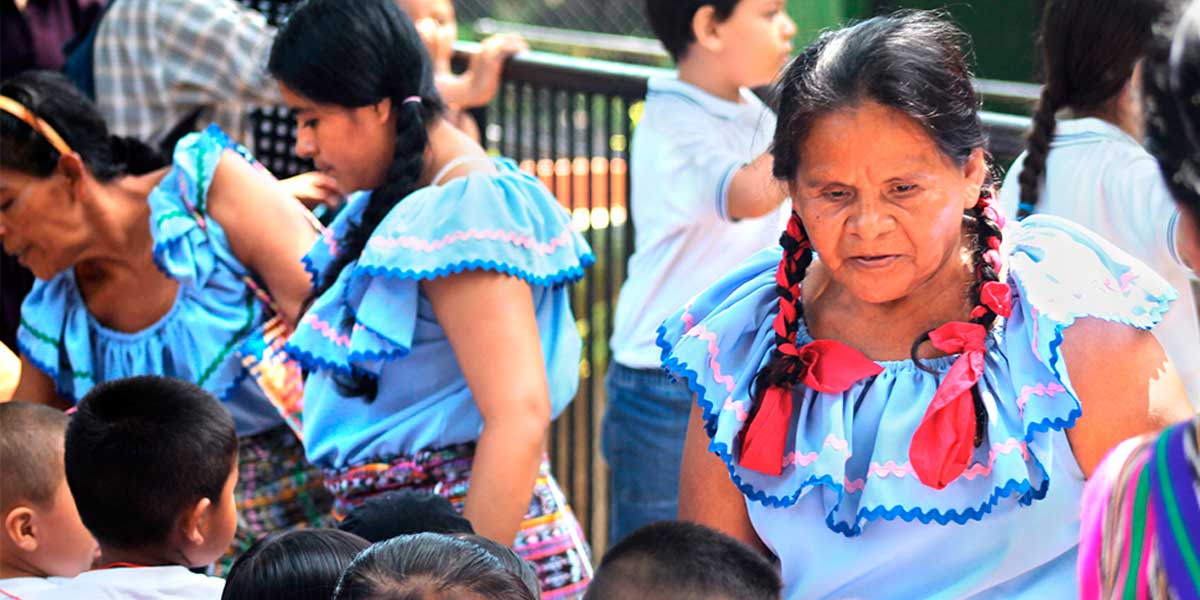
point(905, 399)
point(149, 266)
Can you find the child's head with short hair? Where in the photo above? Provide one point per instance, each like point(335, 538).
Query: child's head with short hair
point(744, 41)
point(296, 565)
point(676, 559)
point(152, 462)
point(431, 565)
point(43, 535)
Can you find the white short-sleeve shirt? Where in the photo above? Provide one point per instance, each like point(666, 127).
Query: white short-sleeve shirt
point(685, 151)
point(142, 583)
point(1102, 178)
point(23, 587)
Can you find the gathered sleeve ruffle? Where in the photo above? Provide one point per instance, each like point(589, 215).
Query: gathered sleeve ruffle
point(851, 448)
point(506, 223)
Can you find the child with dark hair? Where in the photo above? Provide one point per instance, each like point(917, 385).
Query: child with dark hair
point(515, 564)
point(401, 512)
point(703, 200)
point(677, 560)
point(43, 539)
point(295, 565)
point(1085, 160)
point(152, 463)
point(1141, 509)
point(440, 341)
point(904, 379)
point(431, 565)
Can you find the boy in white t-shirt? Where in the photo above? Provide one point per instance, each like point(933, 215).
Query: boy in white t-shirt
point(43, 540)
point(152, 462)
point(703, 200)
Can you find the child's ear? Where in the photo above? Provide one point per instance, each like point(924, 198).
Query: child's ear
point(704, 28)
point(20, 526)
point(195, 522)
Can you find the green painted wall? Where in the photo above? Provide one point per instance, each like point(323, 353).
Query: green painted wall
point(1003, 31)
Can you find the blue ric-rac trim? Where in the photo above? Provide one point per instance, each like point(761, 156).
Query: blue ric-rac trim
point(311, 362)
point(311, 269)
point(568, 275)
point(1025, 487)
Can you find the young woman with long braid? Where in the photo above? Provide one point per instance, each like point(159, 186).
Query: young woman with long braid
point(1085, 161)
point(440, 340)
point(905, 399)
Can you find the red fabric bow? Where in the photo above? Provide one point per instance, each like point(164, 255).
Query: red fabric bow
point(998, 297)
point(943, 443)
point(826, 366)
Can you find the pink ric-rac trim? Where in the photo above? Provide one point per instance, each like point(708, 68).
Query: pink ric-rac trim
point(804, 459)
point(702, 332)
point(326, 330)
point(905, 469)
point(517, 239)
point(1042, 389)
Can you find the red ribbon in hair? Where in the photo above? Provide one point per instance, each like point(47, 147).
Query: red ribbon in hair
point(826, 366)
point(944, 441)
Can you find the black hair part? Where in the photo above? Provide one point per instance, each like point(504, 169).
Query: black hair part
point(54, 99)
point(678, 559)
point(311, 54)
point(671, 21)
point(31, 453)
point(296, 565)
point(511, 561)
point(1078, 75)
point(417, 566)
point(914, 62)
point(1172, 85)
point(142, 450)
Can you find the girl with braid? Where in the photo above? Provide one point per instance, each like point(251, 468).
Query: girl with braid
point(440, 340)
point(1085, 161)
point(905, 399)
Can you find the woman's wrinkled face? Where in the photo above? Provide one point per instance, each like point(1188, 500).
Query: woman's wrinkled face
point(883, 206)
point(40, 223)
point(352, 145)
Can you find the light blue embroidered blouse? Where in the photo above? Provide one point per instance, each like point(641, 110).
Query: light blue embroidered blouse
point(213, 313)
point(375, 319)
point(848, 517)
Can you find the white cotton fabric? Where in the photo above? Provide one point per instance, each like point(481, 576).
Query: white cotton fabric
point(1102, 178)
point(685, 151)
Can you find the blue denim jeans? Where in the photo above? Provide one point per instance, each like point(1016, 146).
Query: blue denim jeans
point(642, 441)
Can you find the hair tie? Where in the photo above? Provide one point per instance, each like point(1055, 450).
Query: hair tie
point(36, 123)
point(411, 99)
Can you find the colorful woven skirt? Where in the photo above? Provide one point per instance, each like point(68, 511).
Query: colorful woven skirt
point(550, 537)
point(277, 490)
